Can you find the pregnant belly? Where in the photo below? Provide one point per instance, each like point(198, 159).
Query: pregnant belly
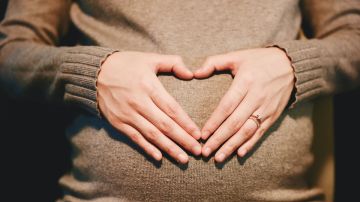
point(108, 165)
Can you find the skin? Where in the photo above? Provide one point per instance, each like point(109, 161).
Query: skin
point(133, 100)
point(262, 85)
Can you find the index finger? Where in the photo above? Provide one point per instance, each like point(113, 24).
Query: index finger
point(227, 105)
point(169, 127)
point(164, 101)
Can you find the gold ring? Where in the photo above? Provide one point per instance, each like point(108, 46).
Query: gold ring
point(256, 119)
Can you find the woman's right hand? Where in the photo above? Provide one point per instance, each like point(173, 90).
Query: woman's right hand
point(134, 101)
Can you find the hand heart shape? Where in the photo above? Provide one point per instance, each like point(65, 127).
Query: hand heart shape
point(261, 89)
point(134, 101)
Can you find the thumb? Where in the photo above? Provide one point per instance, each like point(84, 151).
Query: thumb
point(175, 64)
point(212, 64)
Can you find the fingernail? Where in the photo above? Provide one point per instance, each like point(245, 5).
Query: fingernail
point(242, 152)
point(183, 158)
point(220, 157)
point(197, 150)
point(206, 151)
point(157, 156)
point(205, 134)
point(197, 134)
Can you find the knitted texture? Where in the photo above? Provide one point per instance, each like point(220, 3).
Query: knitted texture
point(109, 167)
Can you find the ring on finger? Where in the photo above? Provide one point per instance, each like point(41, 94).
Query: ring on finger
point(256, 119)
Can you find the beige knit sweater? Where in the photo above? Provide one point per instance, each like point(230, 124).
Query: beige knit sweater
point(106, 165)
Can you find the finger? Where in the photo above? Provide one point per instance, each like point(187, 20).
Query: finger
point(175, 64)
point(155, 136)
point(214, 63)
point(227, 105)
point(171, 129)
point(249, 144)
point(245, 132)
point(138, 139)
point(232, 124)
point(171, 107)
point(265, 113)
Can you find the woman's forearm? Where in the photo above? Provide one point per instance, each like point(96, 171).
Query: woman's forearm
point(329, 61)
point(52, 73)
point(31, 64)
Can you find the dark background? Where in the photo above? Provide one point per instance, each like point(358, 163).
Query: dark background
point(35, 153)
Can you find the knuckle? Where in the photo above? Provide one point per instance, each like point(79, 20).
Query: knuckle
point(275, 108)
point(257, 96)
point(227, 110)
point(273, 111)
point(165, 126)
point(172, 110)
point(259, 93)
point(133, 103)
point(237, 91)
point(152, 135)
point(114, 119)
point(261, 97)
point(127, 116)
point(248, 79)
point(171, 150)
point(234, 125)
point(228, 103)
point(248, 130)
point(135, 137)
point(229, 148)
point(216, 141)
point(273, 119)
point(146, 85)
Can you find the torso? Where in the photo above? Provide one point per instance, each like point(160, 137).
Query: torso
point(107, 164)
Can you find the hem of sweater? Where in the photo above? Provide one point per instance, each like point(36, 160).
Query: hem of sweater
point(305, 59)
point(79, 70)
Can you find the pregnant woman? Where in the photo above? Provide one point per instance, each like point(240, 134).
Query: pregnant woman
point(167, 87)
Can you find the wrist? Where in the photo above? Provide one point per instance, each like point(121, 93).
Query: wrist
point(102, 62)
point(283, 56)
point(290, 70)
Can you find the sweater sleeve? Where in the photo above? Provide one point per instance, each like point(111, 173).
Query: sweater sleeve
point(32, 64)
point(329, 61)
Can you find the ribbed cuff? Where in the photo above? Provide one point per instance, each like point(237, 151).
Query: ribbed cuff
point(79, 70)
point(309, 74)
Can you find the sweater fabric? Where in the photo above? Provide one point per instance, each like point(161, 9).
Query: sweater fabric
point(107, 166)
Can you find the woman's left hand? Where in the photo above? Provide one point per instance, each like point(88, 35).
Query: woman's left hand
point(262, 86)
